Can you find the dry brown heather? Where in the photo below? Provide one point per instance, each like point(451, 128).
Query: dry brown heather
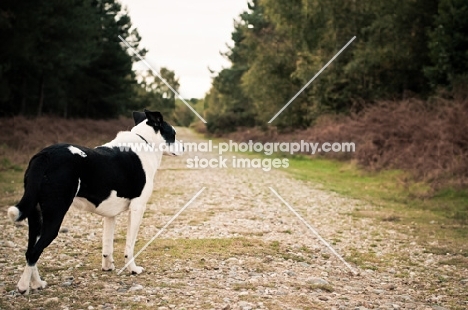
point(430, 140)
point(21, 137)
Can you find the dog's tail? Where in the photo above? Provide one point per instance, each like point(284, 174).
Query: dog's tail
point(32, 185)
point(14, 213)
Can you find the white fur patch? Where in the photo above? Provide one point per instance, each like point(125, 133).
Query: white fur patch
point(110, 207)
point(23, 284)
point(75, 150)
point(78, 189)
point(36, 282)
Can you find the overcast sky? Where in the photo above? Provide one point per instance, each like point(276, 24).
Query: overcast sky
point(186, 37)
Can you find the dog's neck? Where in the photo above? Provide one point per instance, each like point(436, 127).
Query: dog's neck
point(146, 133)
point(149, 136)
point(142, 138)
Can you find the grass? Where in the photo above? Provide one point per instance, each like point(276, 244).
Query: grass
point(381, 188)
point(11, 182)
point(442, 215)
point(183, 248)
point(366, 260)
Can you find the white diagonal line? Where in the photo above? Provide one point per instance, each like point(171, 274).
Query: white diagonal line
point(311, 80)
point(161, 230)
point(160, 77)
point(315, 232)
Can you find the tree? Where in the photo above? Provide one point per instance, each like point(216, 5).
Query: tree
point(229, 105)
point(44, 43)
point(64, 57)
point(154, 94)
point(281, 44)
point(104, 88)
point(448, 45)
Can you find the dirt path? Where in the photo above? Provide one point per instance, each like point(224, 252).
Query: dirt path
point(237, 246)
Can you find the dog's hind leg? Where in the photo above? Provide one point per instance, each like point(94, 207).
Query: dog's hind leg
point(30, 274)
point(108, 243)
point(135, 216)
point(23, 284)
point(49, 225)
point(35, 228)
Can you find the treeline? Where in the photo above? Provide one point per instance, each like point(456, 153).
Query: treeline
point(64, 58)
point(403, 49)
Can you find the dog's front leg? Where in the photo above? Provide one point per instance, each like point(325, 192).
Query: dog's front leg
point(135, 216)
point(108, 243)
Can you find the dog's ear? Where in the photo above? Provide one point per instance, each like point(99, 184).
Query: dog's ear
point(138, 117)
point(155, 119)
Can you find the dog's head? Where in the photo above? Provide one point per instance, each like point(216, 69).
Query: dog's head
point(167, 132)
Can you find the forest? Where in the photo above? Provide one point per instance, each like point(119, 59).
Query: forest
point(64, 58)
point(403, 49)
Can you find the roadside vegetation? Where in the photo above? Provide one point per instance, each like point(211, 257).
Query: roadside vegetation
point(440, 215)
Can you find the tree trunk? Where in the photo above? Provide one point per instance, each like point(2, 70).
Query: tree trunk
point(41, 96)
point(65, 110)
point(23, 97)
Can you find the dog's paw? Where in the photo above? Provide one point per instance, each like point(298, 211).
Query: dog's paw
point(22, 290)
point(107, 263)
point(108, 268)
point(136, 269)
point(23, 287)
point(39, 285)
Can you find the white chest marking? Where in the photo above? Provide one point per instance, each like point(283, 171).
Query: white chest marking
point(75, 150)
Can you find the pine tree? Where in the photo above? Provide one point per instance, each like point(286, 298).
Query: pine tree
point(64, 57)
point(448, 45)
point(105, 87)
point(229, 106)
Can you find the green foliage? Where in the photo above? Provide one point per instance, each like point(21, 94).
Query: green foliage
point(183, 116)
point(449, 44)
point(154, 94)
point(65, 58)
point(403, 48)
point(228, 106)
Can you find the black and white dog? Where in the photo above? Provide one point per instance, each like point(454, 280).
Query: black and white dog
point(105, 180)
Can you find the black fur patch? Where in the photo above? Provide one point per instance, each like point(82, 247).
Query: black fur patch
point(102, 171)
point(107, 169)
point(167, 132)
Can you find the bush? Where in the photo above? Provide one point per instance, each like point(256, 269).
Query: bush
point(428, 139)
point(22, 137)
